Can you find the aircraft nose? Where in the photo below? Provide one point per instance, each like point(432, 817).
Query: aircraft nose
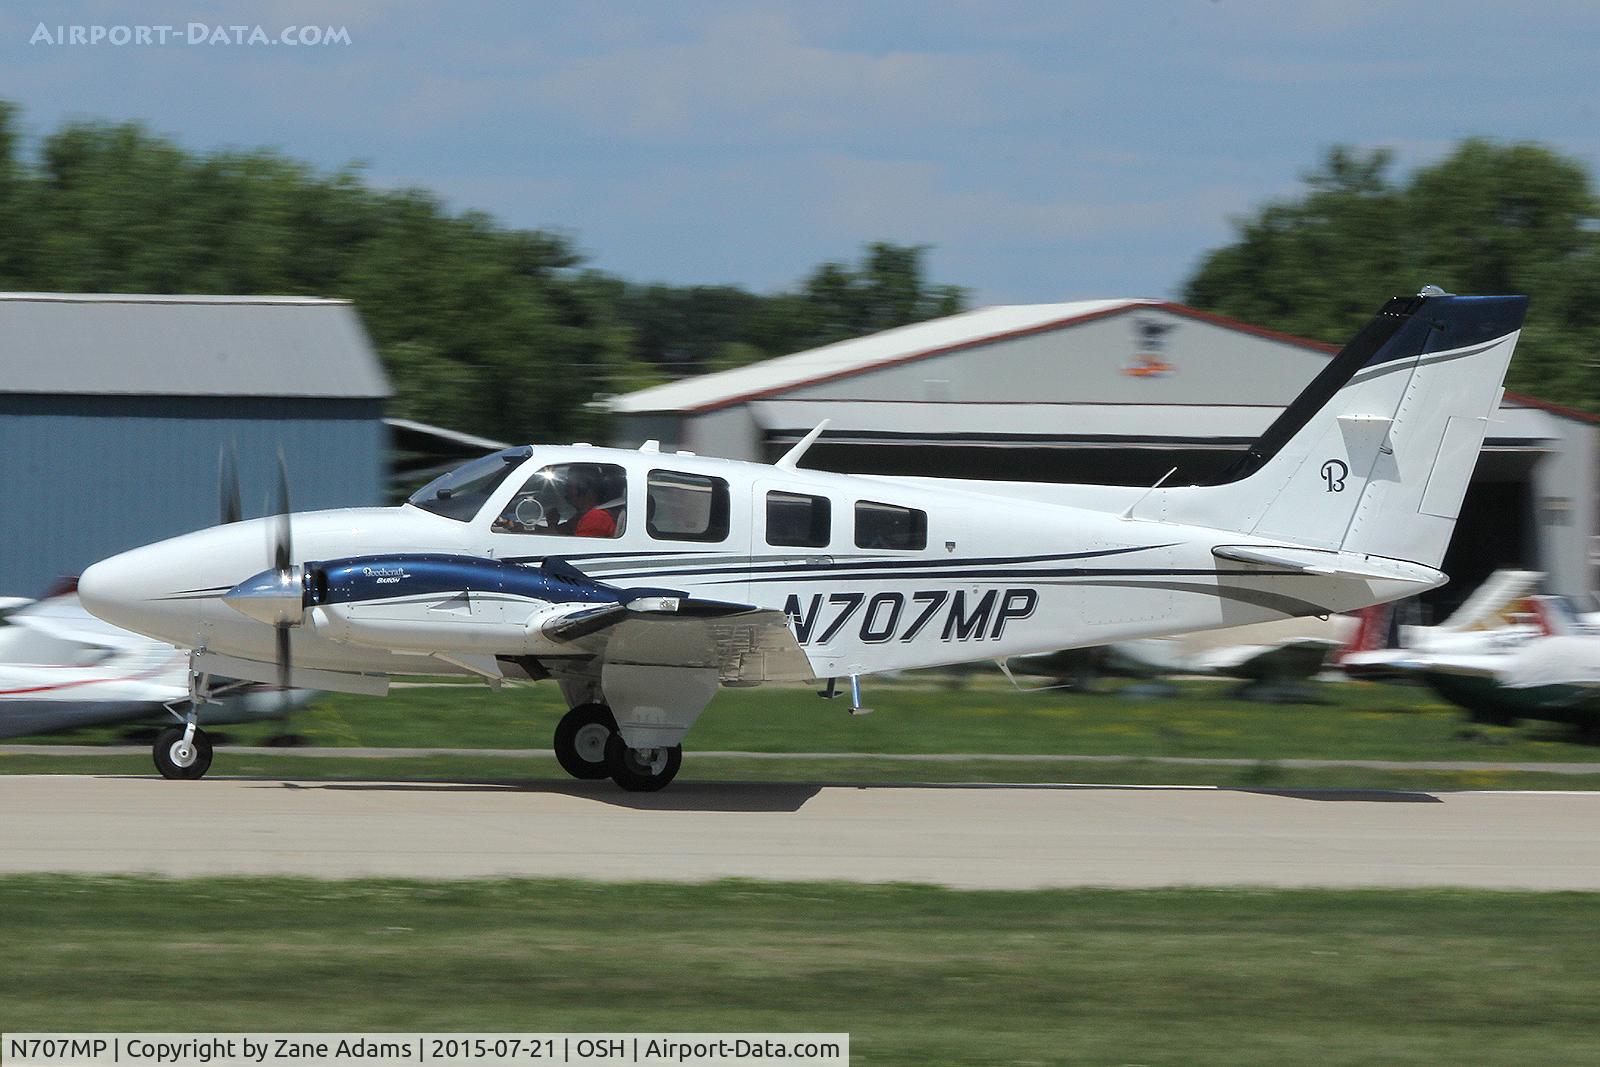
point(140, 590)
point(115, 590)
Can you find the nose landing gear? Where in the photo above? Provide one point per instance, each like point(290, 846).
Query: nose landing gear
point(182, 752)
point(185, 751)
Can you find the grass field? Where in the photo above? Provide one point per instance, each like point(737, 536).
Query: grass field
point(916, 975)
point(1362, 721)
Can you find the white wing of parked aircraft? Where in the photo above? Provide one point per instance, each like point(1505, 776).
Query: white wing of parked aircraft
point(62, 668)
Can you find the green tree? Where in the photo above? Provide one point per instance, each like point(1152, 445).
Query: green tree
point(1488, 218)
point(689, 329)
point(500, 331)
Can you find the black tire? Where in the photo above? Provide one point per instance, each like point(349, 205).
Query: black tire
point(575, 737)
point(629, 772)
point(167, 763)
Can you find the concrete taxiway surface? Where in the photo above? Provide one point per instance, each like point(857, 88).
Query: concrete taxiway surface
point(365, 752)
point(958, 835)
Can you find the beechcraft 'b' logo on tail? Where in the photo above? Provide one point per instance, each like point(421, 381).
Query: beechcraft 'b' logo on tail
point(1334, 472)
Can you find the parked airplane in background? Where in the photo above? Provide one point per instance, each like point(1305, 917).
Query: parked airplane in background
point(62, 668)
point(1275, 660)
point(1500, 614)
point(640, 581)
point(1506, 654)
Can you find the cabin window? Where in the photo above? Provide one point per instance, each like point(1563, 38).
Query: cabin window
point(798, 520)
point(889, 526)
point(569, 500)
point(686, 507)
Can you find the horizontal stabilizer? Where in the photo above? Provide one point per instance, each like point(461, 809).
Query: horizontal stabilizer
point(1323, 562)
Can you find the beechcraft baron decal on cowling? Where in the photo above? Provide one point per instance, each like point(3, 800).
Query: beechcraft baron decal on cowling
point(641, 581)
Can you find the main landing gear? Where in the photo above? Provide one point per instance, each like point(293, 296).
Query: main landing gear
point(589, 746)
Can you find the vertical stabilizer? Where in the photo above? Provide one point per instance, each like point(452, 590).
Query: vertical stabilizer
point(1375, 455)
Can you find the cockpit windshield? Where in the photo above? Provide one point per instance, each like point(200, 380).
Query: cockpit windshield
point(461, 493)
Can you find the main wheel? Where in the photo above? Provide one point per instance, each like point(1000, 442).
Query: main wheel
point(581, 738)
point(174, 759)
point(642, 770)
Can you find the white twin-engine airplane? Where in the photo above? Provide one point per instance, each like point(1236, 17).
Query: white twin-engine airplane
point(641, 580)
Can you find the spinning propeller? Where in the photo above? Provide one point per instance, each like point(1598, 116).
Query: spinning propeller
point(228, 485)
point(274, 596)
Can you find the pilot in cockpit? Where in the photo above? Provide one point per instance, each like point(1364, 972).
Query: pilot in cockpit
point(598, 502)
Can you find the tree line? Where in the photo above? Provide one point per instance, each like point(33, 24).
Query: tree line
point(509, 333)
point(1489, 218)
point(500, 331)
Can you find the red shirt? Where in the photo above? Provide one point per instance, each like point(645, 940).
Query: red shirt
point(598, 522)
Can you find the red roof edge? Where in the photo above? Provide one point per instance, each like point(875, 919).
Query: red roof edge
point(1245, 327)
point(1551, 406)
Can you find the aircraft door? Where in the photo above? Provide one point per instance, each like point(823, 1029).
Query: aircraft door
point(792, 539)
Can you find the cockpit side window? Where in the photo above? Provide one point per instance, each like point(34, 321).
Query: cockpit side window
point(461, 493)
point(569, 500)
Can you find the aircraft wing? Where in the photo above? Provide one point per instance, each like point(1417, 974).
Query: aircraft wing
point(65, 619)
point(1407, 661)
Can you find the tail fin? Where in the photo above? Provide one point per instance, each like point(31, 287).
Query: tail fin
point(1375, 629)
point(1375, 455)
point(1486, 608)
point(1555, 616)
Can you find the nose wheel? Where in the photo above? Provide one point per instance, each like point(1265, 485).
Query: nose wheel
point(182, 753)
point(581, 738)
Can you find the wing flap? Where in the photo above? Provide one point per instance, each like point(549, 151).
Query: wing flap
point(755, 645)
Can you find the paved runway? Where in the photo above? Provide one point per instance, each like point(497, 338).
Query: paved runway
point(964, 836)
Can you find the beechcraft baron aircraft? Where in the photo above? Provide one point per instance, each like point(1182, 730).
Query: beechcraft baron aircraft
point(641, 581)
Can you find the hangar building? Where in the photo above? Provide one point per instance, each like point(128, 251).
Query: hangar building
point(114, 409)
point(1109, 391)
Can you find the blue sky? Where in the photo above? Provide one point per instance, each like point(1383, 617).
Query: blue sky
point(1046, 150)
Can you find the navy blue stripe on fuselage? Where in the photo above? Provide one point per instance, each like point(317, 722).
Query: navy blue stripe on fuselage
point(931, 567)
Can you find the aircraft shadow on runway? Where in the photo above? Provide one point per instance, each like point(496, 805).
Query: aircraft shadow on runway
point(683, 796)
point(792, 796)
point(1364, 796)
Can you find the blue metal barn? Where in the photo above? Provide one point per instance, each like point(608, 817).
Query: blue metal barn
point(114, 408)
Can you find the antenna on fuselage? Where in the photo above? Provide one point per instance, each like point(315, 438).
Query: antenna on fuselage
point(791, 458)
point(1129, 513)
